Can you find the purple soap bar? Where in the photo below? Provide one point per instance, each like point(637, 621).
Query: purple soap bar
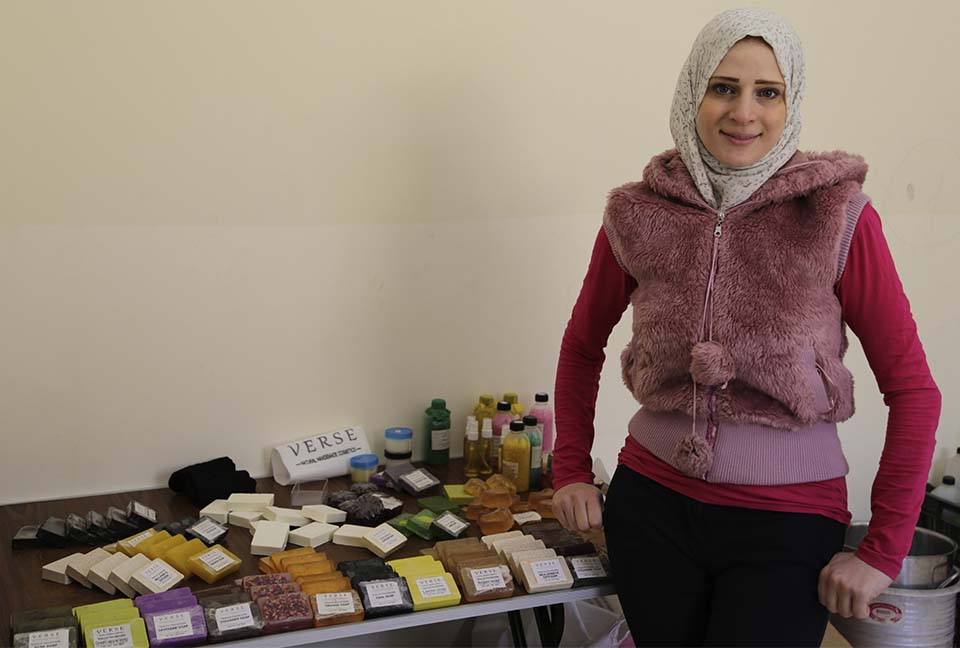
point(169, 595)
point(177, 627)
point(158, 605)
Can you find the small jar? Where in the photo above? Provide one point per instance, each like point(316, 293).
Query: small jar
point(395, 458)
point(363, 466)
point(399, 440)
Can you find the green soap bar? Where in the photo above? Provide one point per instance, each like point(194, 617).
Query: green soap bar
point(457, 495)
point(449, 526)
point(421, 523)
point(22, 626)
point(400, 523)
point(121, 615)
point(118, 634)
point(438, 504)
point(95, 608)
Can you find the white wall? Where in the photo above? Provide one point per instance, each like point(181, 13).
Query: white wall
point(229, 224)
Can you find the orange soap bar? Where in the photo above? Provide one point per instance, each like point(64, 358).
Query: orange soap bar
point(319, 578)
point(290, 561)
point(497, 480)
point(475, 509)
point(475, 486)
point(496, 498)
point(497, 522)
point(545, 508)
point(333, 585)
point(298, 571)
point(266, 565)
point(280, 555)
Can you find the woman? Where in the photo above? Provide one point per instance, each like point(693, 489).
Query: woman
point(744, 260)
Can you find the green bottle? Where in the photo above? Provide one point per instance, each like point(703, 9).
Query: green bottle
point(437, 433)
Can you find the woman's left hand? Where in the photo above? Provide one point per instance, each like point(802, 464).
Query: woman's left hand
point(847, 585)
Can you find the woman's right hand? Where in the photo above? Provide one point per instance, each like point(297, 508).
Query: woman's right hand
point(578, 507)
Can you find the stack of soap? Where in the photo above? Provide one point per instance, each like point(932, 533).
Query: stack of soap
point(325, 583)
point(515, 557)
point(270, 537)
point(172, 618)
point(367, 569)
point(53, 627)
point(271, 564)
point(213, 564)
point(208, 531)
point(79, 569)
point(99, 574)
point(384, 540)
point(456, 494)
point(121, 574)
point(129, 545)
point(179, 557)
point(112, 623)
point(483, 579)
point(488, 540)
point(230, 617)
point(421, 524)
point(430, 585)
point(513, 544)
point(401, 522)
point(56, 572)
point(160, 548)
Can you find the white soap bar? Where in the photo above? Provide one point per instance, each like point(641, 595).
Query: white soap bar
point(545, 575)
point(120, 576)
point(324, 513)
point(490, 539)
point(244, 518)
point(517, 557)
point(249, 501)
point(526, 517)
point(78, 569)
point(350, 535)
point(384, 540)
point(156, 577)
point(216, 510)
point(56, 571)
point(99, 574)
point(313, 535)
point(111, 548)
point(503, 547)
point(270, 538)
point(288, 515)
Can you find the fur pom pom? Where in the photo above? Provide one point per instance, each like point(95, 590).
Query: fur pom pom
point(693, 456)
point(711, 364)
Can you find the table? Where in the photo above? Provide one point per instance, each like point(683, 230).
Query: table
point(23, 589)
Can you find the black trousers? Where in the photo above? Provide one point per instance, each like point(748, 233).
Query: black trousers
point(694, 574)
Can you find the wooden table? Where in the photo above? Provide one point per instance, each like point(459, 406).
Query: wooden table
point(23, 589)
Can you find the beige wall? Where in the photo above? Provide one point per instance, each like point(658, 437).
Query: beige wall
point(229, 224)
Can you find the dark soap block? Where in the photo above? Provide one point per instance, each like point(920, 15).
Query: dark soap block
point(53, 532)
point(26, 538)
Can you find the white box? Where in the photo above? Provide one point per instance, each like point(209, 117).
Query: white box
point(270, 538)
point(324, 513)
point(313, 534)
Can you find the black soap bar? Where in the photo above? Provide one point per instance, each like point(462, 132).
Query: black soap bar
point(26, 538)
point(117, 520)
point(180, 526)
point(385, 596)
point(366, 510)
point(22, 621)
point(53, 532)
point(363, 488)
point(65, 636)
point(338, 498)
point(78, 531)
point(98, 526)
point(208, 531)
point(140, 516)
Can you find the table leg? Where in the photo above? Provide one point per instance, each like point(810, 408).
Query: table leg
point(550, 624)
point(516, 629)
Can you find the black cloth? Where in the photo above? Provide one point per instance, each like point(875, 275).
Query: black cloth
point(210, 480)
point(695, 574)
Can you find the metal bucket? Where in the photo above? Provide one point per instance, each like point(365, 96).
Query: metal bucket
point(928, 563)
point(905, 617)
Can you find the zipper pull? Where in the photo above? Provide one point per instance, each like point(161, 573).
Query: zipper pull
point(718, 230)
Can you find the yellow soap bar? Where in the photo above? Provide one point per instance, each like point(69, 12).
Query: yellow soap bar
point(157, 549)
point(178, 556)
point(302, 560)
point(117, 615)
point(310, 569)
point(433, 591)
point(128, 545)
point(318, 578)
point(280, 555)
point(213, 564)
point(131, 633)
point(94, 608)
point(405, 565)
point(143, 545)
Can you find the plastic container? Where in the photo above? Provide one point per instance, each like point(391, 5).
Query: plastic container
point(532, 429)
point(485, 409)
point(363, 466)
point(398, 440)
point(486, 447)
point(474, 463)
point(437, 433)
point(515, 457)
point(544, 413)
point(394, 459)
point(501, 419)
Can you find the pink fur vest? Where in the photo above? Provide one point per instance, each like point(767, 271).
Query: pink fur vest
point(775, 355)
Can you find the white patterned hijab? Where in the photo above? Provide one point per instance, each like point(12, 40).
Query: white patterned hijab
point(723, 186)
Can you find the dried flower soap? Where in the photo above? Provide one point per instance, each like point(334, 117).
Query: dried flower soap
point(285, 613)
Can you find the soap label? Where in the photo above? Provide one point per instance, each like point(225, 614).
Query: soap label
point(510, 469)
point(118, 636)
point(547, 572)
point(335, 603)
point(488, 578)
point(145, 512)
point(450, 524)
point(233, 617)
point(432, 587)
point(590, 567)
point(207, 529)
point(418, 479)
point(59, 638)
point(135, 540)
point(216, 560)
point(440, 439)
point(387, 537)
point(390, 503)
point(536, 459)
point(528, 516)
point(172, 626)
point(384, 594)
point(160, 574)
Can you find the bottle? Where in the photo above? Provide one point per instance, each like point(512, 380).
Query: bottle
point(953, 466)
point(515, 407)
point(501, 420)
point(544, 413)
point(485, 408)
point(515, 457)
point(437, 429)
point(948, 491)
point(486, 448)
point(474, 463)
point(532, 430)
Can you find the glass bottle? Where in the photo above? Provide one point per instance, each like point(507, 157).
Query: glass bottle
point(437, 433)
point(515, 457)
point(515, 407)
point(486, 448)
point(474, 463)
point(532, 430)
point(501, 423)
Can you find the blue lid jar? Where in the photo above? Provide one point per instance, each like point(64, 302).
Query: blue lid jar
point(399, 433)
point(364, 461)
point(399, 440)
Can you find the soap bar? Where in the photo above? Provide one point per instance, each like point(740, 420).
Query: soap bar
point(276, 559)
point(141, 515)
point(230, 621)
point(121, 575)
point(341, 584)
point(515, 558)
point(208, 531)
point(313, 534)
point(288, 562)
point(545, 575)
point(53, 638)
point(490, 580)
point(129, 545)
point(332, 608)
point(82, 611)
point(99, 526)
point(290, 516)
point(213, 564)
point(249, 501)
point(456, 494)
point(588, 570)
point(306, 570)
point(244, 519)
point(286, 612)
point(499, 521)
point(384, 540)
point(180, 627)
point(99, 574)
point(523, 542)
point(273, 589)
point(179, 556)
point(305, 581)
point(490, 539)
point(400, 523)
point(217, 510)
point(324, 513)
point(156, 538)
point(441, 547)
point(416, 482)
point(270, 537)
point(526, 518)
point(118, 525)
point(179, 597)
point(41, 619)
point(157, 549)
point(79, 568)
point(433, 591)
point(27, 538)
point(78, 530)
point(438, 504)
point(157, 576)
point(350, 535)
point(421, 524)
point(265, 566)
point(179, 527)
point(56, 572)
point(264, 579)
point(53, 532)
point(450, 526)
point(385, 596)
point(415, 564)
point(113, 635)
